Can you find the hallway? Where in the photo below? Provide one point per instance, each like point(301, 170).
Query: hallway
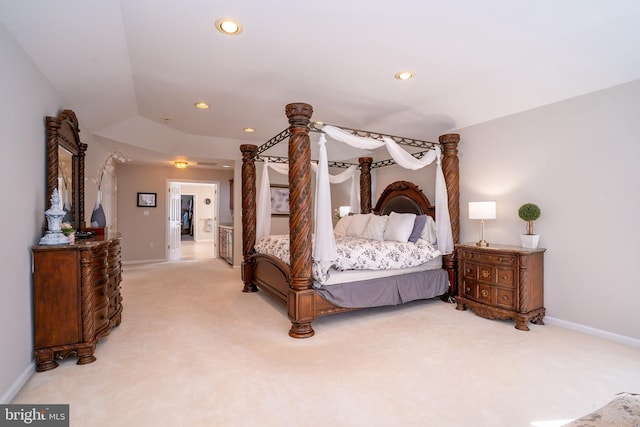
point(194, 251)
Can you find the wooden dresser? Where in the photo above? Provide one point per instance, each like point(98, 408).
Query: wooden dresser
point(76, 298)
point(502, 282)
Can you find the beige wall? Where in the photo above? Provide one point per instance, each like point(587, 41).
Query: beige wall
point(145, 236)
point(577, 160)
point(27, 97)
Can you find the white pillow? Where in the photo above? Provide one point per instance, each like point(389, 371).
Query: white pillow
point(358, 224)
point(341, 226)
point(399, 226)
point(375, 227)
point(429, 231)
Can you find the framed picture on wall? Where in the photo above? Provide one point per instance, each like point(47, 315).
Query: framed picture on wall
point(147, 200)
point(279, 200)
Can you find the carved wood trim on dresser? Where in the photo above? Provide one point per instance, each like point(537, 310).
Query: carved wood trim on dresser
point(76, 298)
point(502, 282)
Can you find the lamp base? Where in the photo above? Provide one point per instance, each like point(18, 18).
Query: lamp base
point(482, 243)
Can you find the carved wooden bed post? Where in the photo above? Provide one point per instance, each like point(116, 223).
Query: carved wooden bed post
point(301, 299)
point(248, 214)
point(365, 184)
point(451, 171)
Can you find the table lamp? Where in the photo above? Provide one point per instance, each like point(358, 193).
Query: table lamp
point(482, 211)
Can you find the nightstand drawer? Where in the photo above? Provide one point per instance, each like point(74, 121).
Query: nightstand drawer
point(491, 258)
point(485, 293)
point(486, 273)
point(469, 289)
point(505, 277)
point(505, 298)
point(489, 294)
point(469, 270)
point(478, 291)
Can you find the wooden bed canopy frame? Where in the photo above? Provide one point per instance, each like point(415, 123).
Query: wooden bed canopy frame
point(292, 284)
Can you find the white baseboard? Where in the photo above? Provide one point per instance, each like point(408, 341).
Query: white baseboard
point(593, 331)
point(17, 385)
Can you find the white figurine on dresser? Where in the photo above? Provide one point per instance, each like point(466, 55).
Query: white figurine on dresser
point(54, 214)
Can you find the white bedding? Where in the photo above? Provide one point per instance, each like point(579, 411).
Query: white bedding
point(357, 253)
point(336, 277)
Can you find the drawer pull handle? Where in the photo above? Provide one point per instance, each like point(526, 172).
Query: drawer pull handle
point(504, 276)
point(484, 293)
point(504, 297)
point(468, 289)
point(485, 274)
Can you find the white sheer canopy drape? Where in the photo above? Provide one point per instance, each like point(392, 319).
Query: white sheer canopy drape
point(407, 161)
point(324, 250)
point(263, 203)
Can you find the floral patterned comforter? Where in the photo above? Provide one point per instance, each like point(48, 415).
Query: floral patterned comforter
point(356, 253)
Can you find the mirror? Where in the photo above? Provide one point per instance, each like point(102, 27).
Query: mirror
point(65, 166)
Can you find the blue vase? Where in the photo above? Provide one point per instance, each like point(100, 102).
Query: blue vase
point(98, 219)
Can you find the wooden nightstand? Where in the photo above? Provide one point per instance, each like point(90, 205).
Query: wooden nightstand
point(501, 282)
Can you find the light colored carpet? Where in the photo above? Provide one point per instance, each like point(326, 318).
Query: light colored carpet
point(193, 350)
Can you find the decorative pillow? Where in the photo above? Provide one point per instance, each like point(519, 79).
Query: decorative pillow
point(358, 224)
point(375, 227)
point(341, 226)
point(399, 226)
point(429, 231)
point(418, 226)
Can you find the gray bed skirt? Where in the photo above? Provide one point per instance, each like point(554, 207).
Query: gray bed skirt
point(392, 290)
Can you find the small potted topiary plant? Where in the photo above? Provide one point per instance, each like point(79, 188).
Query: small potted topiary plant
point(529, 212)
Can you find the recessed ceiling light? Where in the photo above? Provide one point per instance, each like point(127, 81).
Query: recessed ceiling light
point(404, 75)
point(202, 105)
point(226, 166)
point(228, 26)
point(249, 130)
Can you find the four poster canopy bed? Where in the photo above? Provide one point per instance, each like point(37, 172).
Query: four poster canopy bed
point(399, 251)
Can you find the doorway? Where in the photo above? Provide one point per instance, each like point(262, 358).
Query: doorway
point(192, 220)
point(186, 217)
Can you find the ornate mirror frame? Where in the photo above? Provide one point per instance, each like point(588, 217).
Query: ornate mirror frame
point(63, 135)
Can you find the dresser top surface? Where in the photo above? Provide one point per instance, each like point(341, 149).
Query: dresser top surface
point(80, 243)
point(497, 247)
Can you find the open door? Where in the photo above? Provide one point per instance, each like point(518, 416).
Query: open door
point(174, 220)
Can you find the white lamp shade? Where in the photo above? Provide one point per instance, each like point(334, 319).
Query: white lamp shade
point(344, 210)
point(482, 210)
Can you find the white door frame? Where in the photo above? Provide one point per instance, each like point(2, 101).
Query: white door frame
point(215, 188)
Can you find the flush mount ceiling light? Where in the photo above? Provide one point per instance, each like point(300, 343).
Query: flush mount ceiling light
point(249, 130)
point(202, 105)
point(228, 26)
point(226, 166)
point(404, 75)
point(181, 164)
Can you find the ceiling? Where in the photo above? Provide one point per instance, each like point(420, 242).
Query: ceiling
point(133, 69)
